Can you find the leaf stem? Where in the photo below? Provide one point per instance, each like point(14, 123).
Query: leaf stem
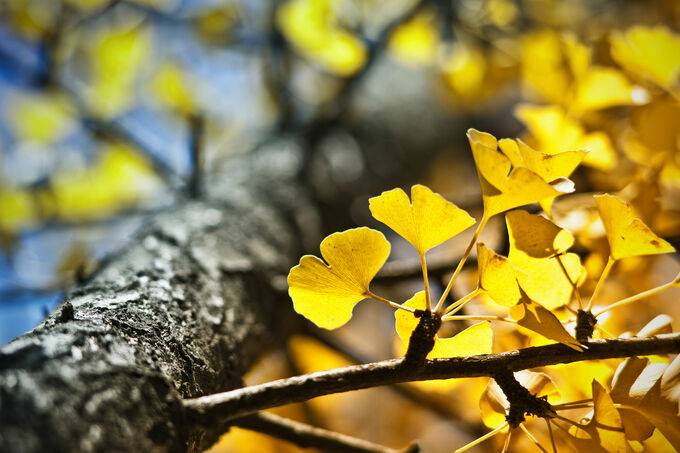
point(480, 318)
point(574, 284)
point(426, 282)
point(481, 439)
point(552, 438)
point(533, 439)
point(457, 305)
point(635, 298)
point(598, 286)
point(506, 444)
point(473, 240)
point(388, 302)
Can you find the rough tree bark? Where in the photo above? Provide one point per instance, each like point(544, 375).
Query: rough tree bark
point(193, 300)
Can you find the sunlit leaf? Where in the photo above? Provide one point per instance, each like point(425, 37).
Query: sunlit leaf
point(650, 52)
point(605, 87)
point(548, 166)
point(555, 132)
point(627, 236)
point(326, 293)
point(310, 26)
point(471, 341)
point(605, 427)
point(497, 277)
point(537, 318)
point(534, 243)
point(427, 222)
point(504, 187)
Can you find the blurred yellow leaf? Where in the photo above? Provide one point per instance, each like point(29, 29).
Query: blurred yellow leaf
point(650, 52)
point(652, 136)
point(17, 210)
point(603, 87)
point(465, 68)
point(120, 178)
point(537, 318)
point(326, 294)
point(637, 427)
point(43, 118)
point(627, 236)
point(497, 277)
point(554, 132)
point(310, 26)
point(504, 187)
point(605, 427)
point(534, 243)
point(117, 54)
point(171, 87)
point(471, 341)
point(415, 42)
point(427, 222)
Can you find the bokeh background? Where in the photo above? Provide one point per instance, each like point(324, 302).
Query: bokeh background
point(113, 109)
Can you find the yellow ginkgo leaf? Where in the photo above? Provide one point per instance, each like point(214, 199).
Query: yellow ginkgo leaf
point(497, 277)
point(537, 236)
point(628, 236)
point(650, 52)
point(637, 427)
point(428, 222)
point(605, 87)
point(553, 132)
point(537, 318)
point(310, 26)
point(326, 294)
point(535, 243)
point(605, 427)
point(471, 341)
point(548, 166)
point(504, 187)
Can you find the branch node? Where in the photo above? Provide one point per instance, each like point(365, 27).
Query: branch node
point(585, 325)
point(422, 339)
point(522, 402)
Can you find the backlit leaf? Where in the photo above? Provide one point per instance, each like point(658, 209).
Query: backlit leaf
point(554, 132)
point(650, 52)
point(497, 277)
point(326, 293)
point(534, 243)
point(427, 222)
point(537, 318)
point(471, 341)
point(628, 236)
point(605, 427)
point(504, 187)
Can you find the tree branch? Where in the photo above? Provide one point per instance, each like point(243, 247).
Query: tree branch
point(308, 436)
point(208, 410)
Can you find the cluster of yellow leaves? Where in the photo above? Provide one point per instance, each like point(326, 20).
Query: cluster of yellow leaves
point(534, 283)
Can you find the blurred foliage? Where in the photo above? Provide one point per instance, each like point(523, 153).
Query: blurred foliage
point(101, 98)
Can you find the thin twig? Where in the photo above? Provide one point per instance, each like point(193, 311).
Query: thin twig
point(308, 436)
point(243, 401)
